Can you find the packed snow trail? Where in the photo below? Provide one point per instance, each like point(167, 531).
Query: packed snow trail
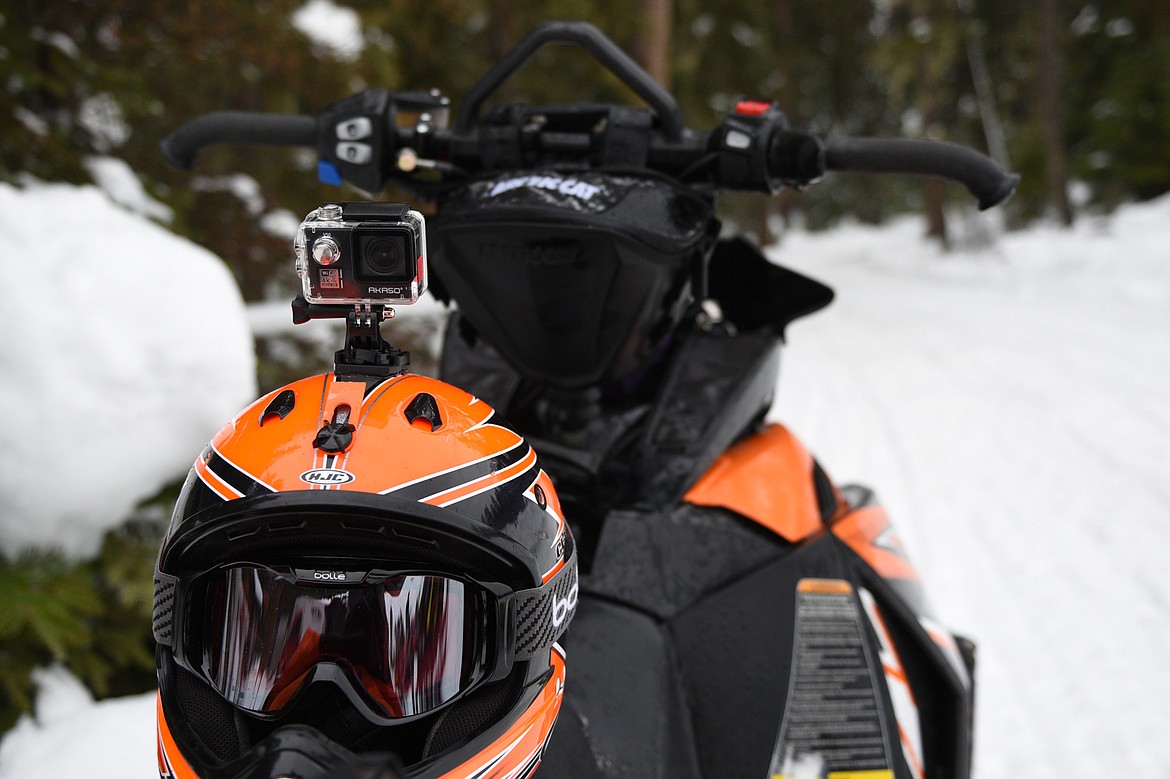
point(1013, 411)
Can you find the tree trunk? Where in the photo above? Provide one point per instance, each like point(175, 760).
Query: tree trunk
point(783, 18)
point(500, 13)
point(933, 189)
point(984, 89)
point(653, 45)
point(934, 198)
point(1051, 109)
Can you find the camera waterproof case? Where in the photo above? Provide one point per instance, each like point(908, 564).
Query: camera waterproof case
point(363, 254)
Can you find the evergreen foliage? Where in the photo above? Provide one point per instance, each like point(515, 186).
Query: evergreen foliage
point(93, 616)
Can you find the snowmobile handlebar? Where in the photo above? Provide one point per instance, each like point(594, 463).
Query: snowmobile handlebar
point(783, 156)
point(377, 136)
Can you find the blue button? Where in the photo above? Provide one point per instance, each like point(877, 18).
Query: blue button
point(328, 174)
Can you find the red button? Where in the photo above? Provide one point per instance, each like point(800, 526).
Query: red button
point(752, 107)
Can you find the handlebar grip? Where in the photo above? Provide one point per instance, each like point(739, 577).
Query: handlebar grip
point(246, 127)
point(983, 177)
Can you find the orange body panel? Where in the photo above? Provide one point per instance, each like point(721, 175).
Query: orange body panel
point(766, 478)
point(868, 532)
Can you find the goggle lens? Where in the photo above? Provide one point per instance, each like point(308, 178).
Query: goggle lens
point(408, 642)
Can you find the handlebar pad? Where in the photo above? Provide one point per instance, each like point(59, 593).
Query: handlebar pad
point(986, 180)
point(246, 127)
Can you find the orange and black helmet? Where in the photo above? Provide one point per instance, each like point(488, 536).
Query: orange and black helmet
point(362, 574)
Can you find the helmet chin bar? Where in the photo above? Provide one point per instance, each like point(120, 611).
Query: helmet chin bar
point(304, 752)
point(366, 353)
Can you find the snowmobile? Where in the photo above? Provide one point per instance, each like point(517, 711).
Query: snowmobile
point(735, 613)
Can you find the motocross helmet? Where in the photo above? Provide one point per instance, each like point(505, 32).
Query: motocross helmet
point(362, 579)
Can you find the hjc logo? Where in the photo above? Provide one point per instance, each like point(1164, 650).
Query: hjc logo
point(326, 477)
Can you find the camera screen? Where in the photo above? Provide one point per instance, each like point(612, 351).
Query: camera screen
point(381, 257)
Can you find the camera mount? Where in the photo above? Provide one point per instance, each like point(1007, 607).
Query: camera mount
point(355, 260)
point(366, 355)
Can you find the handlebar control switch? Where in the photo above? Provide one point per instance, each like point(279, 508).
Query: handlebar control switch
point(352, 138)
point(741, 145)
point(355, 129)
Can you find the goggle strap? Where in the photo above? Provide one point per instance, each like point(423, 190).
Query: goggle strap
point(542, 614)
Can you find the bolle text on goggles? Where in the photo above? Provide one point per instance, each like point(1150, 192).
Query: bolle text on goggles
point(399, 644)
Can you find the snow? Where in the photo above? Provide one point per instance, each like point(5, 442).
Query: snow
point(102, 118)
point(336, 28)
point(282, 223)
point(70, 735)
point(244, 187)
point(1009, 402)
point(122, 186)
point(1012, 407)
point(125, 349)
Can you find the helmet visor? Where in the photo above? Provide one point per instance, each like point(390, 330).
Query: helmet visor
point(407, 643)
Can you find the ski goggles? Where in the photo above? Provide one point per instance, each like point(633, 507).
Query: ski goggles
point(401, 643)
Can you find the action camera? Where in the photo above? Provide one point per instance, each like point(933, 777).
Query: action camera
point(362, 253)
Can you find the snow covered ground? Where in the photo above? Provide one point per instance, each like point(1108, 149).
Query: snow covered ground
point(124, 349)
point(1012, 406)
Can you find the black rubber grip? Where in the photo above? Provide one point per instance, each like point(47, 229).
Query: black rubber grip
point(244, 127)
point(986, 180)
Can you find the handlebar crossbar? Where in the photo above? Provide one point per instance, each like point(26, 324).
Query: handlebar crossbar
point(603, 50)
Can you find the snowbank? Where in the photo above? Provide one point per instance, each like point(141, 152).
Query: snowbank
point(124, 349)
point(70, 735)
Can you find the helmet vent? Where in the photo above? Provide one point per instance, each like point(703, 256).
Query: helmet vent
point(236, 534)
point(280, 406)
point(424, 407)
point(277, 526)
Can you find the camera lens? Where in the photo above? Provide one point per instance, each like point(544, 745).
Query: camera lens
point(383, 258)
